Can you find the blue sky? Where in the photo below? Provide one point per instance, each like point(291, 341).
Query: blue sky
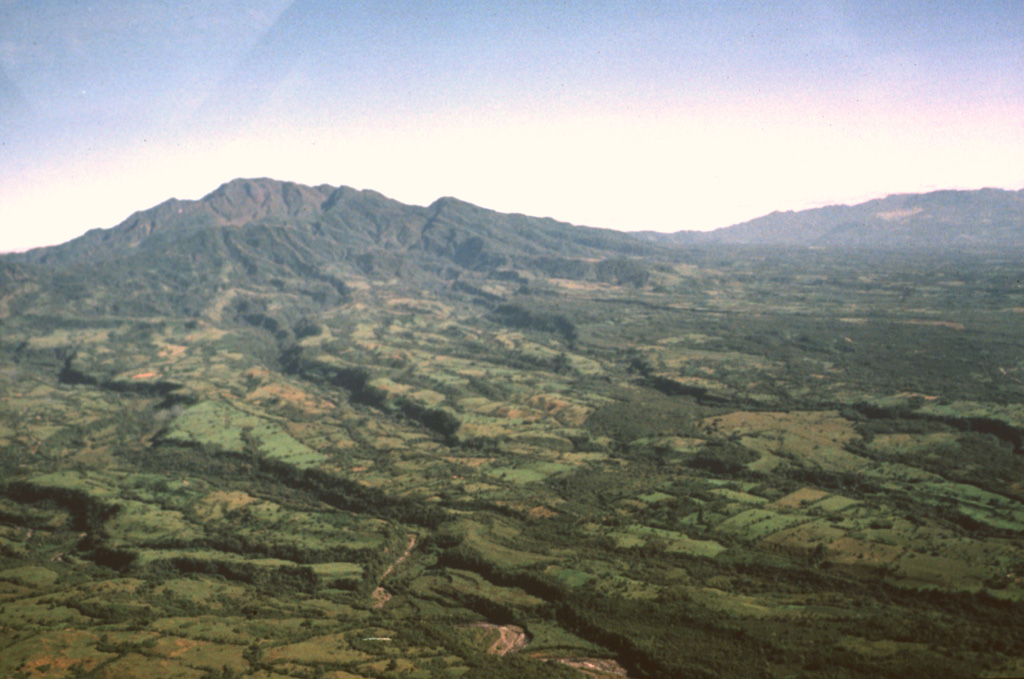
point(628, 115)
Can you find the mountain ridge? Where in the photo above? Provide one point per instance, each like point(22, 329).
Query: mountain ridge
point(984, 218)
point(450, 227)
point(258, 234)
point(365, 215)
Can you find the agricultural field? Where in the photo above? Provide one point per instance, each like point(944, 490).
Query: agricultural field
point(699, 462)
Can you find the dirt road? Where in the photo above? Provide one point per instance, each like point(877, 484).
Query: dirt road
point(381, 595)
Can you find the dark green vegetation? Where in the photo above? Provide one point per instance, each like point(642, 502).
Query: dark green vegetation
point(311, 432)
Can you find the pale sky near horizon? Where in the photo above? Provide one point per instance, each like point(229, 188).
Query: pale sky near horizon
point(628, 115)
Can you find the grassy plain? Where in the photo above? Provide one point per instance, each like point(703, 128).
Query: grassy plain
point(748, 464)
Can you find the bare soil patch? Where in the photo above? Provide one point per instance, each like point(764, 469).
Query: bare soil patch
point(600, 668)
point(511, 638)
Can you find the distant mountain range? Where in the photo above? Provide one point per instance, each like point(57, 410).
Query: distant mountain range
point(954, 220)
point(314, 241)
point(325, 223)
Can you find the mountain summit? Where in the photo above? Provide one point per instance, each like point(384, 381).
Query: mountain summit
point(334, 223)
point(254, 233)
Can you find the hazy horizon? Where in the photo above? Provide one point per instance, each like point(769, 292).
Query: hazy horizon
point(632, 116)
